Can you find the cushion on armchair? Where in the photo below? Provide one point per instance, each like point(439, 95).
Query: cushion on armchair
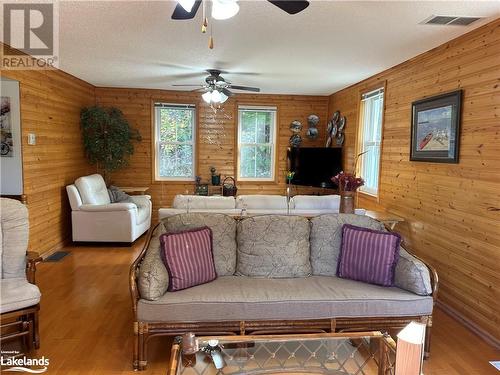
point(273, 246)
point(368, 255)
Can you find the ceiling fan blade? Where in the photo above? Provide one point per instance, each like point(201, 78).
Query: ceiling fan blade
point(181, 14)
point(227, 92)
point(290, 6)
point(189, 85)
point(245, 88)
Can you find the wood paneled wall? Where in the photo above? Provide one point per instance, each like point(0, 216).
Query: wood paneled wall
point(452, 211)
point(216, 142)
point(50, 107)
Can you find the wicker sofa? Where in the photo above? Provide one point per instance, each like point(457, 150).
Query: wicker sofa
point(295, 292)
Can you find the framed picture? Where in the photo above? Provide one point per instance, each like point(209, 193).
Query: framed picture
point(435, 128)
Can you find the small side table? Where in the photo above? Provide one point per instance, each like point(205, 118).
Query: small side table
point(134, 190)
point(385, 217)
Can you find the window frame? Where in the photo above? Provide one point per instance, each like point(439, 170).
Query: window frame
point(274, 142)
point(156, 106)
point(360, 142)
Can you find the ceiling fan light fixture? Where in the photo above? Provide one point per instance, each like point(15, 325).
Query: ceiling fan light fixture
point(187, 4)
point(216, 96)
point(207, 97)
point(224, 9)
point(224, 97)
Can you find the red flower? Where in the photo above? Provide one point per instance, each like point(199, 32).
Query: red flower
point(347, 181)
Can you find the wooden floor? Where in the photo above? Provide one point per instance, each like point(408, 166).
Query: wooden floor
point(86, 321)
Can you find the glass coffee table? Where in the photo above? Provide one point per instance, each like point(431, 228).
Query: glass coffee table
point(362, 353)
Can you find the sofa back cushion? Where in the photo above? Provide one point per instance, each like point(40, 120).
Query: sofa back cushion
point(152, 280)
point(201, 202)
point(368, 255)
point(326, 237)
point(188, 258)
point(92, 189)
point(256, 202)
point(223, 234)
point(316, 202)
point(273, 246)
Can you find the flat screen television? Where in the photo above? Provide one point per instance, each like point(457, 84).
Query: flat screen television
point(315, 166)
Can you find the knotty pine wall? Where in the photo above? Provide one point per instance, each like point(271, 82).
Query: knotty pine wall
point(452, 211)
point(50, 107)
point(216, 150)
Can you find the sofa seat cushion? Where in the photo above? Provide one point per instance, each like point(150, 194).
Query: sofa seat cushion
point(17, 293)
point(223, 234)
point(315, 297)
point(273, 246)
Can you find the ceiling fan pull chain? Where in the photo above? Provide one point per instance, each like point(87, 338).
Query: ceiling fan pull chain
point(211, 39)
point(205, 19)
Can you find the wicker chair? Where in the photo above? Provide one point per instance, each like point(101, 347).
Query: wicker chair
point(20, 297)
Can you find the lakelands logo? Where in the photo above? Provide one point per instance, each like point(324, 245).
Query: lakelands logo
point(32, 30)
point(23, 364)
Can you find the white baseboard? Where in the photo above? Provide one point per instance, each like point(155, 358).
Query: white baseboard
point(485, 335)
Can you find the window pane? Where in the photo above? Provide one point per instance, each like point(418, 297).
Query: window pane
point(371, 139)
point(264, 127)
point(176, 125)
point(263, 162)
point(256, 148)
point(248, 126)
point(247, 161)
point(175, 160)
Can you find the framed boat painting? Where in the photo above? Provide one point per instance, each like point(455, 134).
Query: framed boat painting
point(435, 128)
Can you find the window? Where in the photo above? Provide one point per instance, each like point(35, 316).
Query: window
point(174, 141)
point(256, 143)
point(372, 109)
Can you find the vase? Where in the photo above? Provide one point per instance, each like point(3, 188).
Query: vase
point(346, 202)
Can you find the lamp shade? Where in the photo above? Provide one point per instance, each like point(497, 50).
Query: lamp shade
point(224, 9)
point(207, 97)
point(187, 4)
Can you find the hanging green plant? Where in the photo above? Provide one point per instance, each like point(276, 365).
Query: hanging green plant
point(107, 138)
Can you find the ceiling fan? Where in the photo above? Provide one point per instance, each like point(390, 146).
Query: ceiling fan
point(222, 9)
point(216, 88)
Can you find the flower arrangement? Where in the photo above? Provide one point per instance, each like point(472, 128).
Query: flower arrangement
point(347, 181)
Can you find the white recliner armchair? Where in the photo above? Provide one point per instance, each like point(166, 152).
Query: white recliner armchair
point(95, 218)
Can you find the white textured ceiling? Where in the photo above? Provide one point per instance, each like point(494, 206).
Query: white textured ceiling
point(330, 45)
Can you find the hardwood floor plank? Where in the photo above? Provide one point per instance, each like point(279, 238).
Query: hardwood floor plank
point(86, 321)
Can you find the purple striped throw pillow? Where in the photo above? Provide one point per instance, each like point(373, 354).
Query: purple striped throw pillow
point(188, 257)
point(368, 255)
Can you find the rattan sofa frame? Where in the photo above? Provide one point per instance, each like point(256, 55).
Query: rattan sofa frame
point(145, 331)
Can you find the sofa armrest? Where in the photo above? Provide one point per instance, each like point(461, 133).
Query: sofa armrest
point(32, 258)
point(108, 207)
point(134, 271)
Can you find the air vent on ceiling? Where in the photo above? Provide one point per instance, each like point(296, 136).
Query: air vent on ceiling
point(450, 20)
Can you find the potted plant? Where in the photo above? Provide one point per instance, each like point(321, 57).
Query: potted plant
point(348, 183)
point(107, 138)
